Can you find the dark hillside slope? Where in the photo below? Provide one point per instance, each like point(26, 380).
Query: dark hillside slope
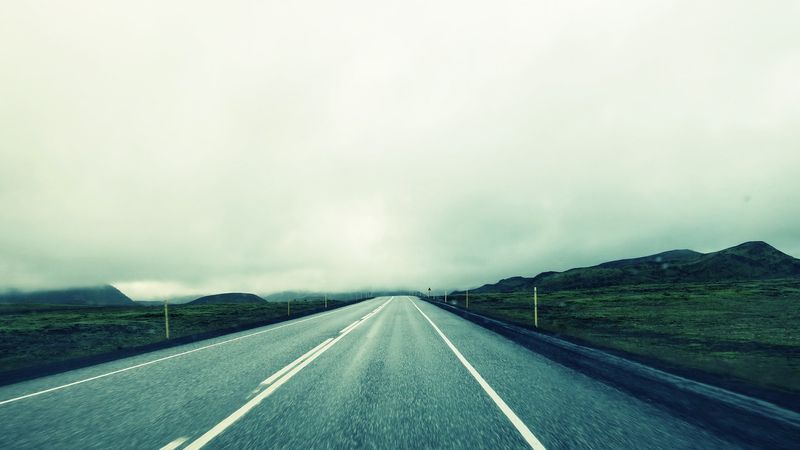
point(749, 261)
point(92, 296)
point(670, 257)
point(227, 299)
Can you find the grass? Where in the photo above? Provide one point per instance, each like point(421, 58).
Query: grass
point(32, 335)
point(745, 332)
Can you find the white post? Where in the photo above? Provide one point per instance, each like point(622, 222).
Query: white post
point(535, 308)
point(166, 318)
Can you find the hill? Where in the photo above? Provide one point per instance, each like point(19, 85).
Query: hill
point(179, 300)
point(290, 295)
point(150, 302)
point(341, 296)
point(92, 296)
point(228, 298)
point(748, 261)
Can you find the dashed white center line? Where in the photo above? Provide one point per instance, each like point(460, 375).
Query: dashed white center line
point(287, 373)
point(347, 328)
point(175, 444)
point(291, 366)
point(515, 420)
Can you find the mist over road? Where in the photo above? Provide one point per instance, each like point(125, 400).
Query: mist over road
point(393, 372)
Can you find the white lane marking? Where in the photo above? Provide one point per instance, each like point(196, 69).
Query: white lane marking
point(515, 420)
point(175, 444)
point(297, 361)
point(45, 391)
point(239, 413)
point(347, 328)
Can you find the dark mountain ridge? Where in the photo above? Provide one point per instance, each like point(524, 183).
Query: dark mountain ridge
point(227, 299)
point(748, 261)
point(93, 296)
point(341, 296)
point(177, 300)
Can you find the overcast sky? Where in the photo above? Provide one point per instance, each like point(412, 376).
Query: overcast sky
point(195, 147)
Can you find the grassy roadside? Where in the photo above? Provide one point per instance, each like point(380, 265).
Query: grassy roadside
point(745, 332)
point(33, 335)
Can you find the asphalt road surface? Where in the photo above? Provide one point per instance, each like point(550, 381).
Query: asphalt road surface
point(393, 372)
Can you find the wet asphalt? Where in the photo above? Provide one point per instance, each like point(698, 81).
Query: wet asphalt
point(390, 382)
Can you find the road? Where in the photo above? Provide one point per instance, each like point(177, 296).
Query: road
point(391, 372)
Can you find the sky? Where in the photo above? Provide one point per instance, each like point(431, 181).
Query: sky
point(185, 147)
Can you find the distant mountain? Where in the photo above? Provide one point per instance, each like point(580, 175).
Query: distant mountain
point(179, 300)
point(228, 298)
point(749, 261)
point(342, 296)
point(291, 295)
point(150, 302)
point(93, 296)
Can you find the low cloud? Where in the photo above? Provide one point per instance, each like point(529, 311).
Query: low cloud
point(259, 147)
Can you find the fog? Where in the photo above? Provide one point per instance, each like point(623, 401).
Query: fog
point(196, 147)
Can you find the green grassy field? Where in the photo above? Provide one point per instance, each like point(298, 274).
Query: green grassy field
point(742, 331)
point(32, 335)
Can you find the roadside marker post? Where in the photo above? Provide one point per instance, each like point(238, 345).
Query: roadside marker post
point(326, 301)
point(288, 307)
point(166, 318)
point(535, 309)
point(467, 298)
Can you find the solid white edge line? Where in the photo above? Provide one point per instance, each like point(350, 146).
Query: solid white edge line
point(297, 361)
point(247, 407)
point(64, 386)
point(515, 420)
point(175, 444)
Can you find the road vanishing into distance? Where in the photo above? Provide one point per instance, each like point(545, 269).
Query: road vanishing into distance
point(392, 372)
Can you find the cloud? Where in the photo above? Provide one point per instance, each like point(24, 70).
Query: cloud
point(267, 146)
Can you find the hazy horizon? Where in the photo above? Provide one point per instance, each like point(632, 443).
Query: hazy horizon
point(144, 292)
point(174, 149)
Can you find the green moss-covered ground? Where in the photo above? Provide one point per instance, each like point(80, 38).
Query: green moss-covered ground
point(743, 331)
point(32, 335)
